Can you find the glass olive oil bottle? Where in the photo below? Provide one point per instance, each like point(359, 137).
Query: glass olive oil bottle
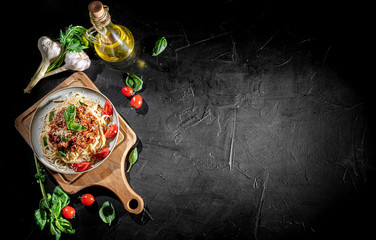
point(113, 43)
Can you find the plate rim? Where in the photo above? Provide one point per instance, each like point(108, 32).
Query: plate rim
point(46, 99)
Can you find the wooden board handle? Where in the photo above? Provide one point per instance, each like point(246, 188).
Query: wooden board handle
point(132, 202)
point(113, 178)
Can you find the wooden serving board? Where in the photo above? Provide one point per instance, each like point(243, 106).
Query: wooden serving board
point(111, 173)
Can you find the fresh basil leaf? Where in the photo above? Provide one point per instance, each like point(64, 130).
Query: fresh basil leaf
point(76, 127)
point(45, 203)
point(56, 208)
point(58, 225)
point(64, 225)
point(134, 82)
point(45, 141)
point(133, 156)
point(107, 212)
point(64, 222)
point(40, 216)
point(70, 114)
point(54, 231)
point(59, 193)
point(51, 116)
point(159, 46)
point(59, 200)
point(57, 234)
point(129, 82)
point(61, 153)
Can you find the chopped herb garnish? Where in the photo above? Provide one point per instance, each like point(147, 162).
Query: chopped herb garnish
point(61, 153)
point(82, 104)
point(63, 138)
point(51, 116)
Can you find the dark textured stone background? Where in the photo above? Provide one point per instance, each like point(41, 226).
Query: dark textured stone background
point(276, 88)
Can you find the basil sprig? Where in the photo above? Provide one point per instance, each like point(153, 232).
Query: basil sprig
point(159, 46)
point(69, 116)
point(49, 213)
point(134, 82)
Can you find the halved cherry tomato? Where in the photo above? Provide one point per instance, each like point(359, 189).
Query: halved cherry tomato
point(68, 212)
point(127, 91)
point(112, 131)
point(108, 109)
point(80, 166)
point(136, 101)
point(87, 199)
point(103, 153)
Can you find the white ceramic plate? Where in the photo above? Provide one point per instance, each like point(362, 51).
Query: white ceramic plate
point(47, 104)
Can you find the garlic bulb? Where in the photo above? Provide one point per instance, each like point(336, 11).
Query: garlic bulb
point(49, 50)
point(76, 61)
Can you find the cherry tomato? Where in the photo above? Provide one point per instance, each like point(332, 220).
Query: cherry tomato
point(103, 153)
point(127, 91)
point(136, 101)
point(80, 166)
point(112, 131)
point(87, 199)
point(68, 212)
point(108, 109)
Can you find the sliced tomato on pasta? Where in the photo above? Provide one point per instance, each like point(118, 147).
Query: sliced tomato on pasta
point(108, 109)
point(102, 154)
point(111, 131)
point(80, 166)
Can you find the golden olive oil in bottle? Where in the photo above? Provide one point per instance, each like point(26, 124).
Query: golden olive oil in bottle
point(113, 43)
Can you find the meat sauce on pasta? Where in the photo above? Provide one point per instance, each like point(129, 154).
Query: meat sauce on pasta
point(77, 140)
point(78, 147)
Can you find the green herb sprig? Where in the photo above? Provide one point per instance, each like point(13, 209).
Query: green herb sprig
point(72, 40)
point(50, 206)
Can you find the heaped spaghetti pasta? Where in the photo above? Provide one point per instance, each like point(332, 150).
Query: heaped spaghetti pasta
point(76, 133)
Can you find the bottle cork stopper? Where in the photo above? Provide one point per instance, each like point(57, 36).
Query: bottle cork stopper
point(96, 9)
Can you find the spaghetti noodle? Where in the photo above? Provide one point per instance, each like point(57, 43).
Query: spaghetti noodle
point(63, 145)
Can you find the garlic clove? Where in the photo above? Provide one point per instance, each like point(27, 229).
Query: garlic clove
point(77, 61)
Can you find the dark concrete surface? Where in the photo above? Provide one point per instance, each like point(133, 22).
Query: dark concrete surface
point(258, 120)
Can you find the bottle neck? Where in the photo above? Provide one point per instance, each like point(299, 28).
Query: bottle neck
point(103, 21)
point(101, 24)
